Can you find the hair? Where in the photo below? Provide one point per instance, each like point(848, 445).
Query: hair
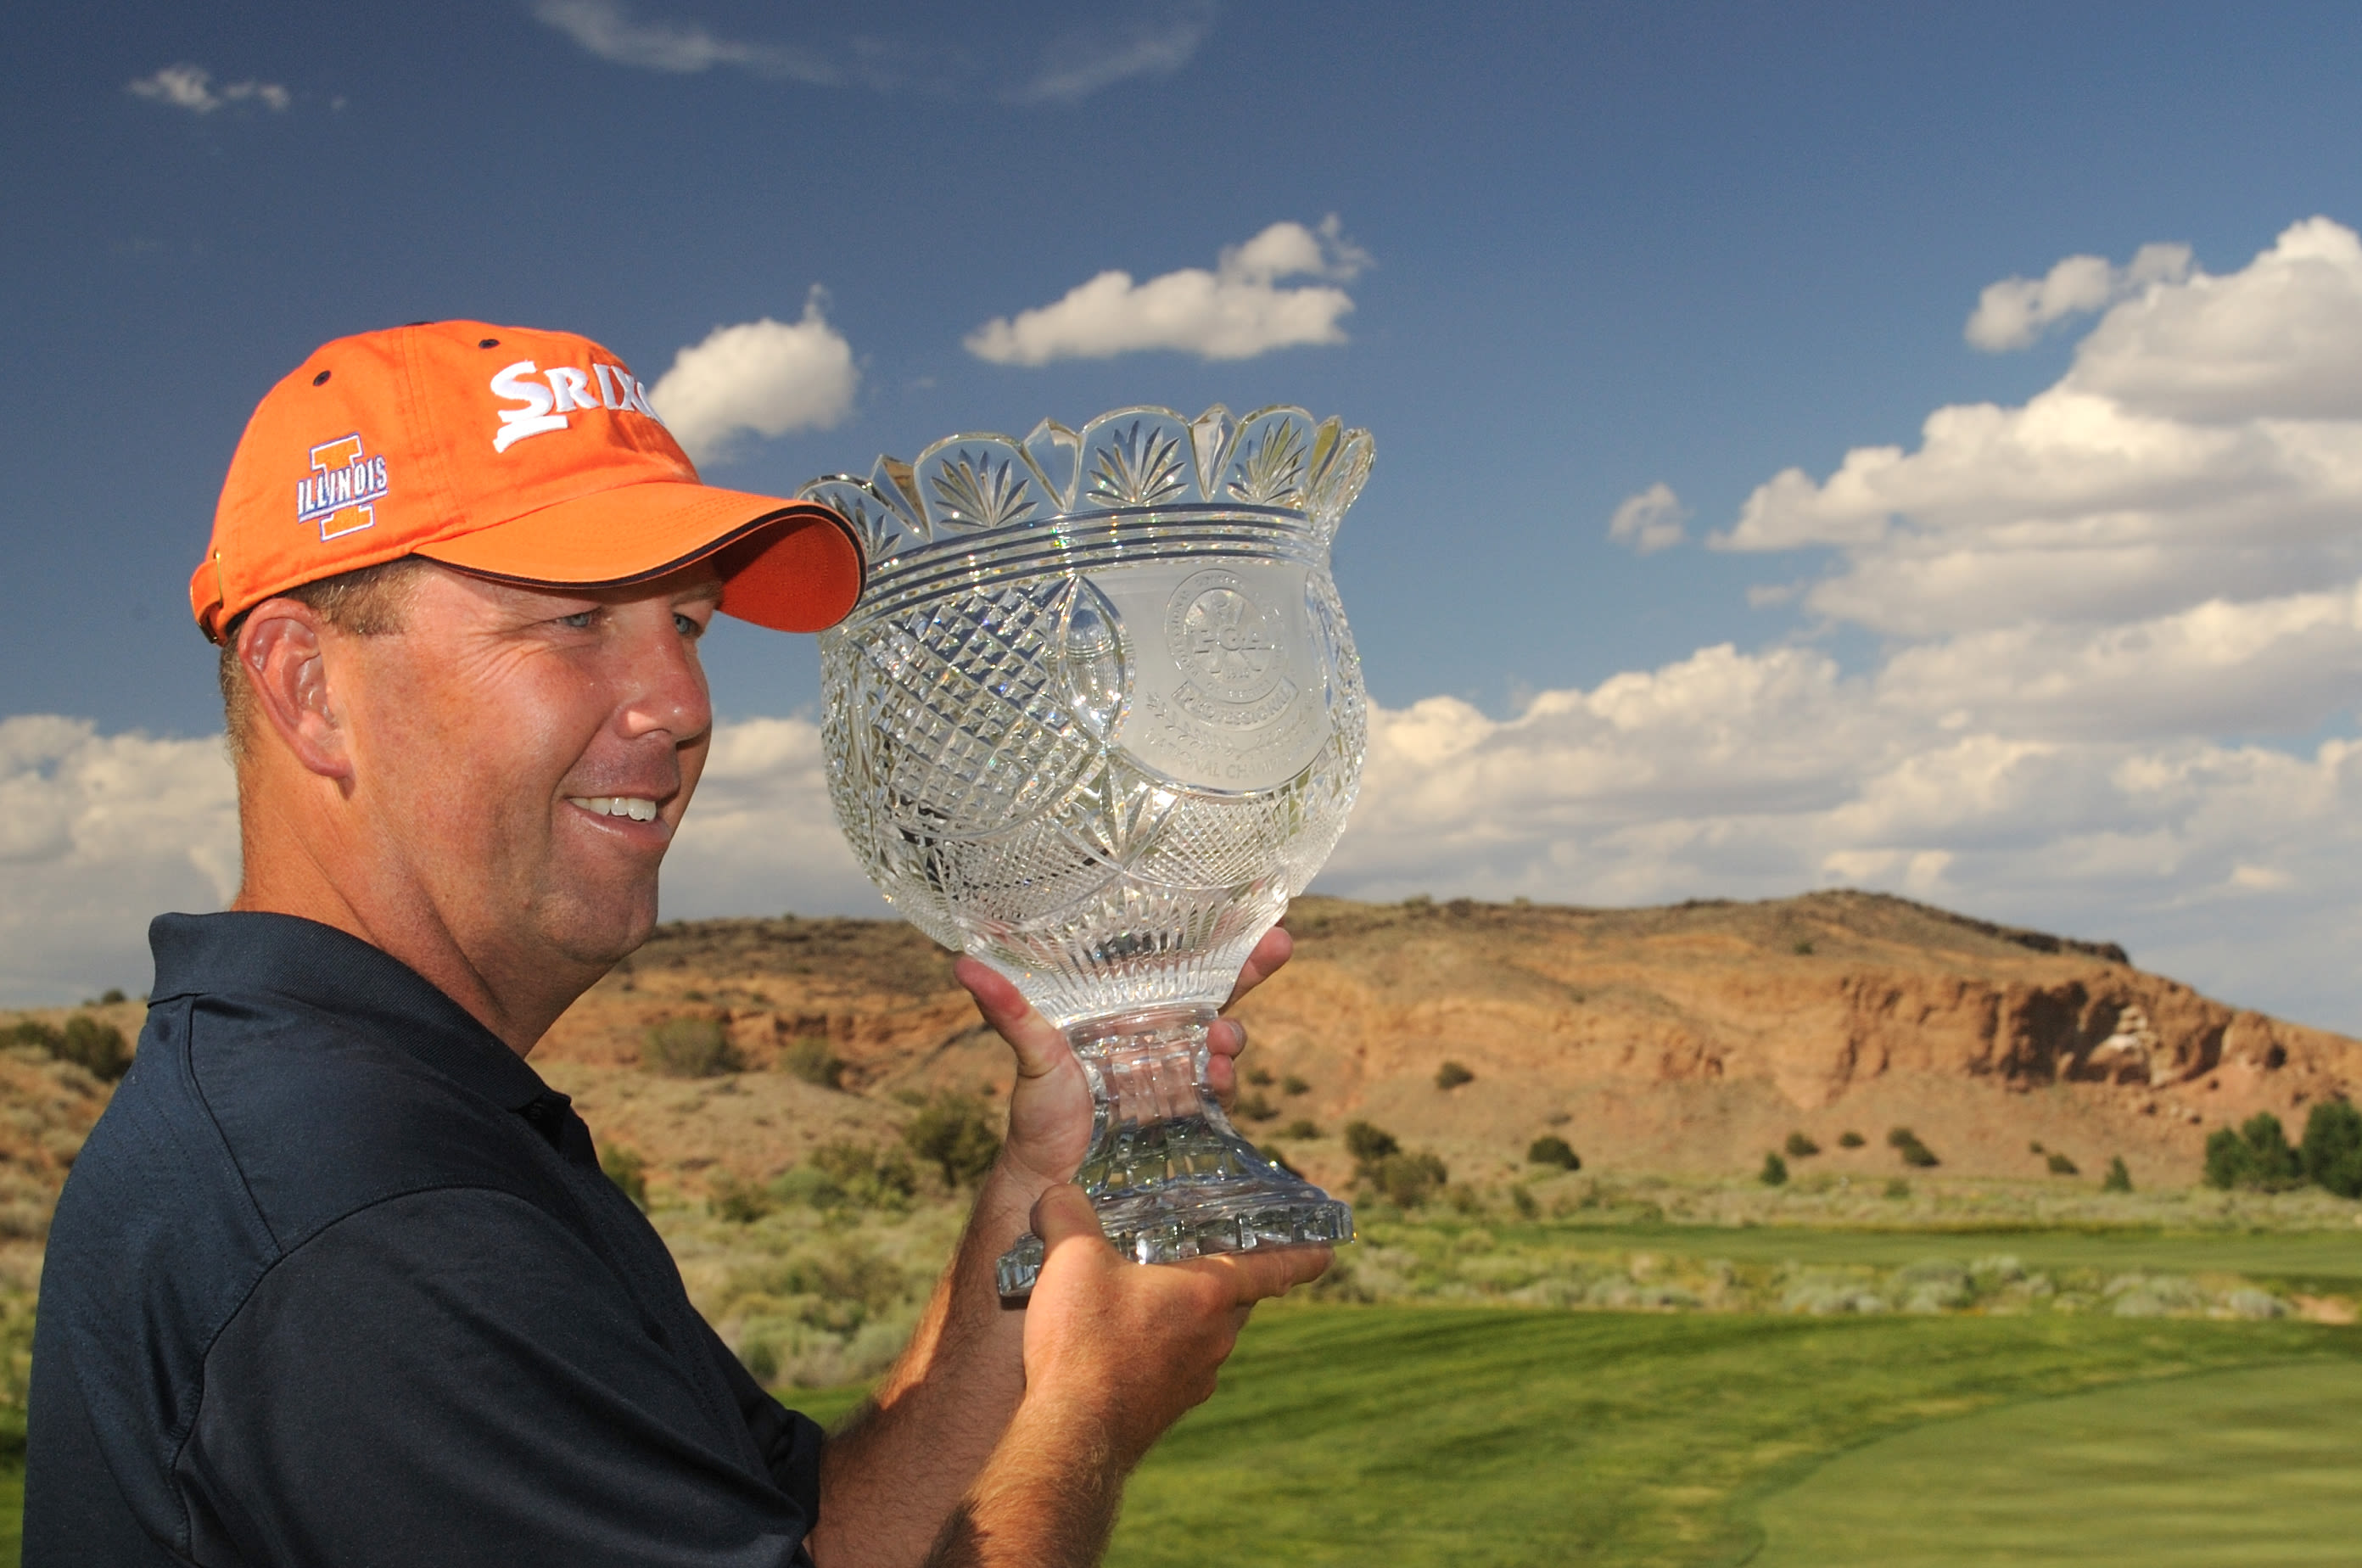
point(369, 601)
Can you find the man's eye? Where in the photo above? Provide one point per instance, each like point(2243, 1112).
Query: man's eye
point(580, 621)
point(688, 625)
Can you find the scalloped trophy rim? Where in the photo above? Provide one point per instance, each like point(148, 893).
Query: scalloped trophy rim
point(893, 485)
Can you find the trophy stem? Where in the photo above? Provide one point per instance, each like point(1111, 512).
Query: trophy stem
point(1170, 1176)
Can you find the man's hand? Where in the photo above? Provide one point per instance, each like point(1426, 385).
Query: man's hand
point(1132, 1347)
point(1050, 1108)
point(1115, 1353)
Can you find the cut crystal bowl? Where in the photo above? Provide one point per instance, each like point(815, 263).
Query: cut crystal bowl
point(1096, 719)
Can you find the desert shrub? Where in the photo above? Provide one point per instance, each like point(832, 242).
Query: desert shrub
point(99, 1049)
point(2035, 1147)
point(110, 995)
point(1775, 1172)
point(740, 1201)
point(35, 1034)
point(1906, 1142)
point(1550, 1149)
point(761, 1360)
point(1850, 1140)
point(627, 1170)
point(840, 1173)
point(1451, 1074)
point(1801, 1147)
point(1301, 1128)
point(835, 1287)
point(2332, 1150)
point(689, 1048)
point(1254, 1107)
point(2257, 1155)
point(2060, 1164)
point(1464, 1199)
point(1369, 1144)
point(1407, 1180)
point(1803, 949)
point(955, 1131)
point(2118, 1178)
point(1896, 1188)
point(1259, 1076)
point(1523, 1202)
point(810, 1058)
point(1294, 1085)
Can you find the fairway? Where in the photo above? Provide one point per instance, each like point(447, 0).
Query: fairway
point(1450, 1436)
point(2251, 1467)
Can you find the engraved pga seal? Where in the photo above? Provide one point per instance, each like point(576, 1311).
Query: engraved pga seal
point(1232, 648)
point(1095, 720)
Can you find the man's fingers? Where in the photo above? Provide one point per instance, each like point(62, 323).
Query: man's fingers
point(1269, 953)
point(1039, 1044)
point(1266, 1272)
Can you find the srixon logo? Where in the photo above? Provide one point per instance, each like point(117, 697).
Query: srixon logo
point(342, 491)
point(548, 396)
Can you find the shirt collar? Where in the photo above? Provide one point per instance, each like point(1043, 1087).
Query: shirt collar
point(319, 967)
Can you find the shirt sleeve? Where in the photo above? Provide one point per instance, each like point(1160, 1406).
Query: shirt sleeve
point(453, 1378)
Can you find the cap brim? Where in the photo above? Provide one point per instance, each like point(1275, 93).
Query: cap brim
point(788, 565)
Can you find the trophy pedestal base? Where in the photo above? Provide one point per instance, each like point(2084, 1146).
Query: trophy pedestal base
point(1170, 1176)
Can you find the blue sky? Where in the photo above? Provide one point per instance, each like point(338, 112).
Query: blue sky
point(1607, 249)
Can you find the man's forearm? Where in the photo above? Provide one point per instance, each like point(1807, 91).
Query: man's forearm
point(890, 1479)
point(1047, 1500)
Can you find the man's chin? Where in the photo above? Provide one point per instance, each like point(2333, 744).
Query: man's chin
point(599, 935)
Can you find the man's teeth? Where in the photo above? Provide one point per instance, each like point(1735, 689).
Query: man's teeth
point(630, 806)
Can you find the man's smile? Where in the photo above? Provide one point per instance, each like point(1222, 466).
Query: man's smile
point(637, 808)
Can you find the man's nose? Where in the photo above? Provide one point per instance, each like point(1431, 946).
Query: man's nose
point(666, 685)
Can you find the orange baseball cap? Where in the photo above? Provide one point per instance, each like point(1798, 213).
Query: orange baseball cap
point(530, 456)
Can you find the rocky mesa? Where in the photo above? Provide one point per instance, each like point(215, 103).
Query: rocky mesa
point(1689, 1038)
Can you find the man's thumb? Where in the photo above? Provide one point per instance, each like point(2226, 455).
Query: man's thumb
point(1062, 1213)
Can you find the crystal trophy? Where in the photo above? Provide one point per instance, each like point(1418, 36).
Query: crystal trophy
point(1096, 719)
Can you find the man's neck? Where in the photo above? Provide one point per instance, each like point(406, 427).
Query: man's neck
point(284, 874)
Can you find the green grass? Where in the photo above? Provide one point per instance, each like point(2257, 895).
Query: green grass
point(1424, 1435)
point(2250, 1467)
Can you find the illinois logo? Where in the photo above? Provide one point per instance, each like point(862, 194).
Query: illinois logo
point(342, 491)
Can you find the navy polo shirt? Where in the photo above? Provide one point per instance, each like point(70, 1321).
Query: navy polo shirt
point(336, 1281)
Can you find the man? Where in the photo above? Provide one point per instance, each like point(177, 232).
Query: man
point(337, 1279)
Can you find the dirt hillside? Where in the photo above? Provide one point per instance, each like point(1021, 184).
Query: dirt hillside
point(1683, 1039)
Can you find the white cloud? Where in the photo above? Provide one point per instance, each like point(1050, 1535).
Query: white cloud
point(1235, 311)
point(607, 29)
point(1157, 41)
point(1650, 520)
point(1085, 63)
point(102, 833)
point(2205, 443)
point(191, 87)
point(2015, 312)
point(765, 376)
point(1759, 775)
point(760, 837)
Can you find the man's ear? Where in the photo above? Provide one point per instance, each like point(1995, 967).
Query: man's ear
point(281, 656)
